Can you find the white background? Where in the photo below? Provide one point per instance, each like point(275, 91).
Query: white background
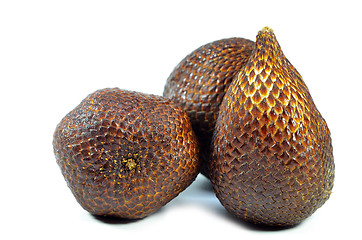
point(54, 53)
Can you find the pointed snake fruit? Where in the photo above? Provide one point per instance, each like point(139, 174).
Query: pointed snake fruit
point(272, 160)
point(199, 82)
point(126, 154)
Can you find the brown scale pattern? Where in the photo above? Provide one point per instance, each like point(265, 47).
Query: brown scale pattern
point(272, 153)
point(126, 154)
point(199, 82)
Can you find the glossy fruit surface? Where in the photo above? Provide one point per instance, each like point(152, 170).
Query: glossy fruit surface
point(272, 153)
point(199, 82)
point(126, 154)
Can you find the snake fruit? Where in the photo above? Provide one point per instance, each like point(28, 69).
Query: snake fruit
point(199, 82)
point(126, 154)
point(272, 160)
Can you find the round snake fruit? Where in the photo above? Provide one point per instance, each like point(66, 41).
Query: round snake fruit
point(272, 161)
point(126, 154)
point(199, 82)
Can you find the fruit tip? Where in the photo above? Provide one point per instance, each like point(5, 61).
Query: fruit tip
point(267, 29)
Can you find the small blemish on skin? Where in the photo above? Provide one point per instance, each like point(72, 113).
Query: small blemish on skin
point(131, 164)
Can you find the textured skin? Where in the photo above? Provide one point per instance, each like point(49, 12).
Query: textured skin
point(272, 155)
point(199, 82)
point(126, 154)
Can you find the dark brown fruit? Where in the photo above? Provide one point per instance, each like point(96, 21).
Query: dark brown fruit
point(126, 154)
point(272, 153)
point(199, 82)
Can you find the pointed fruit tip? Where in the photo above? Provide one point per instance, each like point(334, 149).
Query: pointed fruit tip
point(267, 29)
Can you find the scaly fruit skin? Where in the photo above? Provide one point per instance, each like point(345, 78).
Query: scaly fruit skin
point(272, 153)
point(126, 154)
point(199, 82)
